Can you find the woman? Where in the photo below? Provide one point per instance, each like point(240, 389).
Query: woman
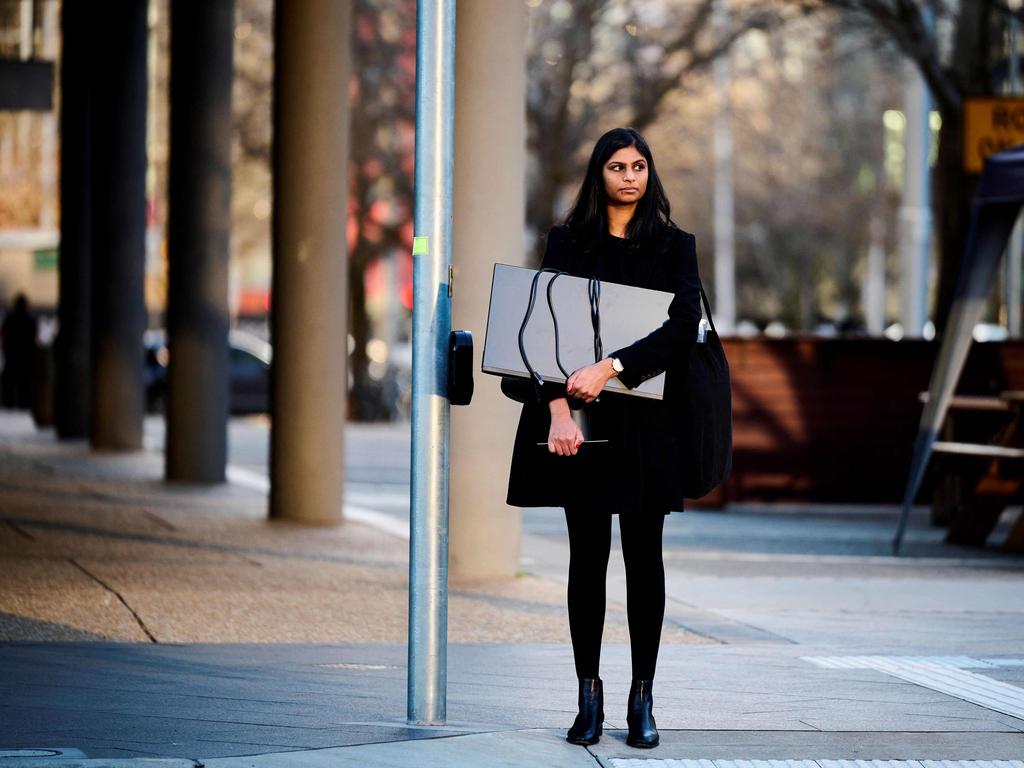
point(620, 231)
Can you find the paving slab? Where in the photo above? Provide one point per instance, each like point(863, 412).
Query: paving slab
point(502, 749)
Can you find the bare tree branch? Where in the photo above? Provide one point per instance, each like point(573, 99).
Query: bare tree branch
point(653, 93)
point(904, 23)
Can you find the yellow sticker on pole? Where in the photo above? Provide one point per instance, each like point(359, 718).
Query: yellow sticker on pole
point(419, 246)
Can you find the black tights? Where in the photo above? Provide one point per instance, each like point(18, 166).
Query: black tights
point(590, 540)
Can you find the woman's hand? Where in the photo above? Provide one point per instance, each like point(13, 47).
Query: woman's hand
point(564, 437)
point(586, 383)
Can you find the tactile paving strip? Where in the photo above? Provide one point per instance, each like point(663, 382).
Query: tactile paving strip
point(640, 762)
point(945, 674)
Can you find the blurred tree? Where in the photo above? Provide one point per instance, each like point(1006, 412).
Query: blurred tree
point(613, 61)
point(382, 144)
point(961, 52)
point(807, 128)
point(382, 99)
point(22, 195)
point(252, 95)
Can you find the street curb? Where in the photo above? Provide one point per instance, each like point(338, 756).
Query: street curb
point(98, 762)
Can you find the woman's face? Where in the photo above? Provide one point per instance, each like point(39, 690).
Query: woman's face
point(625, 176)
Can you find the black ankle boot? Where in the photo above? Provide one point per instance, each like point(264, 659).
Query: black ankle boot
point(587, 728)
point(639, 716)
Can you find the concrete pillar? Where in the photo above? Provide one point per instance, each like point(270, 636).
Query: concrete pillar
point(118, 45)
point(308, 306)
point(489, 213)
point(72, 385)
point(199, 203)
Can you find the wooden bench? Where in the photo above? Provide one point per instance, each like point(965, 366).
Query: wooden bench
point(973, 449)
point(981, 467)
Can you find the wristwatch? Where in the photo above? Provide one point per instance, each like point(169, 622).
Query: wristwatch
point(617, 365)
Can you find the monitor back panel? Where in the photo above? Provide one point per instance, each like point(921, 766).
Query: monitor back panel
point(627, 314)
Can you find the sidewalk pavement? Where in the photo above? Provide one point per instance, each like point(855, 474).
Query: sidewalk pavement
point(151, 624)
point(99, 547)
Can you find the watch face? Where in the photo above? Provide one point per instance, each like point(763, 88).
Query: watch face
point(616, 365)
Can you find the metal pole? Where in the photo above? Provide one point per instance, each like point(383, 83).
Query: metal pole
point(915, 211)
point(874, 280)
point(431, 326)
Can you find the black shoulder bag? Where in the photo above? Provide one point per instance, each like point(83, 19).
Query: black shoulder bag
point(707, 414)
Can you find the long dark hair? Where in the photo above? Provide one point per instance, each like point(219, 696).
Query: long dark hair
point(588, 218)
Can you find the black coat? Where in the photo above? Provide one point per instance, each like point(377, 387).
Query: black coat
point(638, 470)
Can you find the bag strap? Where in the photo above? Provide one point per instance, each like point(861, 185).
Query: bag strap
point(707, 304)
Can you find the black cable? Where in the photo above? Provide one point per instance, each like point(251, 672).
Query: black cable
point(526, 319)
point(594, 295)
point(554, 321)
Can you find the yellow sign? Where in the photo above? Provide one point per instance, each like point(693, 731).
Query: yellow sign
point(990, 125)
point(419, 246)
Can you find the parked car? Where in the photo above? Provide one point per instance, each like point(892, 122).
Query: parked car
point(248, 372)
